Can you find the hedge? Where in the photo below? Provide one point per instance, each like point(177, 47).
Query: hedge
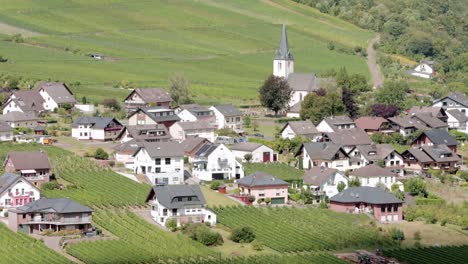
point(429, 201)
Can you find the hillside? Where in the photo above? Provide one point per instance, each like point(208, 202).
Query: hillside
point(224, 47)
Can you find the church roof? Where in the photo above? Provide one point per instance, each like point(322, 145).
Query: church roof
point(283, 52)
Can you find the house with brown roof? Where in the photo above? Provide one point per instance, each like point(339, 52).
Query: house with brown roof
point(335, 124)
point(146, 97)
point(55, 95)
point(437, 112)
point(26, 101)
point(324, 181)
point(348, 139)
point(406, 125)
point(373, 124)
point(373, 176)
point(435, 137)
point(34, 166)
point(300, 128)
point(324, 154)
point(228, 116)
point(148, 133)
point(192, 144)
point(153, 116)
point(436, 157)
point(202, 128)
point(260, 153)
point(125, 153)
point(372, 154)
point(457, 120)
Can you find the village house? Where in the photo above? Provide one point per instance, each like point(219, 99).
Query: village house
point(324, 182)
point(20, 119)
point(215, 162)
point(437, 112)
point(16, 191)
point(146, 97)
point(300, 128)
point(181, 130)
point(324, 154)
point(457, 120)
point(125, 153)
point(55, 95)
point(34, 166)
point(406, 125)
point(26, 101)
point(160, 162)
point(96, 128)
point(262, 185)
point(192, 144)
point(57, 214)
point(372, 154)
point(6, 132)
point(430, 121)
point(153, 116)
point(425, 69)
point(194, 112)
point(373, 124)
point(148, 133)
point(373, 176)
point(348, 139)
point(227, 116)
point(453, 101)
point(260, 153)
point(335, 124)
point(436, 157)
point(184, 203)
point(384, 206)
point(435, 137)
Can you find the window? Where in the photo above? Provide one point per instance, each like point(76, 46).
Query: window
point(81, 134)
point(168, 161)
point(382, 209)
point(261, 194)
point(161, 219)
point(32, 199)
point(174, 211)
point(209, 217)
point(7, 201)
point(179, 199)
point(385, 179)
point(189, 198)
point(158, 161)
point(157, 170)
point(278, 194)
point(164, 212)
point(175, 179)
point(279, 65)
point(22, 191)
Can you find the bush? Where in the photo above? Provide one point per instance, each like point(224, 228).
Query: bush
point(49, 185)
point(341, 186)
point(417, 186)
point(260, 200)
point(111, 103)
point(111, 163)
point(251, 198)
point(295, 196)
point(443, 222)
point(171, 224)
point(323, 205)
point(258, 245)
point(248, 157)
point(429, 201)
point(236, 191)
point(215, 185)
point(268, 200)
point(396, 234)
point(101, 154)
point(243, 235)
point(202, 234)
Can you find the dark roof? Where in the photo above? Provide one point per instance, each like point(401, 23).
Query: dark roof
point(152, 112)
point(375, 151)
point(349, 137)
point(429, 120)
point(317, 176)
point(260, 178)
point(338, 120)
point(458, 115)
point(419, 155)
point(228, 110)
point(95, 121)
point(457, 97)
point(303, 82)
point(194, 108)
point(322, 150)
point(365, 194)
point(371, 170)
point(148, 132)
point(200, 124)
point(29, 100)
point(168, 195)
point(56, 205)
point(17, 116)
point(283, 52)
point(370, 122)
point(246, 146)
point(163, 149)
point(407, 122)
point(440, 153)
point(152, 95)
point(7, 179)
point(59, 92)
point(206, 149)
point(190, 143)
point(439, 137)
point(29, 160)
point(4, 127)
point(433, 111)
point(302, 128)
point(295, 108)
point(130, 147)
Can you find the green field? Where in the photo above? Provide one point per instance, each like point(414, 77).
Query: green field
point(224, 47)
point(430, 255)
point(20, 248)
point(292, 229)
point(280, 170)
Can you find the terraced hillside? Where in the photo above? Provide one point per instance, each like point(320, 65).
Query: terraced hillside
point(224, 47)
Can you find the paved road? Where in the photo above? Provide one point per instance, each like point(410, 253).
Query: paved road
point(53, 242)
point(374, 68)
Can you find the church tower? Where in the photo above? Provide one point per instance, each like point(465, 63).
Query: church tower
point(283, 63)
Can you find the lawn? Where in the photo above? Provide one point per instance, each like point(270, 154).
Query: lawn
point(452, 193)
point(280, 170)
point(214, 198)
point(224, 47)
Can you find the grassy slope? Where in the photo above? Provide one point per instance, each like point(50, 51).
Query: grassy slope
point(224, 47)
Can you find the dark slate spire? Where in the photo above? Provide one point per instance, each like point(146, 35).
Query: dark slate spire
point(283, 52)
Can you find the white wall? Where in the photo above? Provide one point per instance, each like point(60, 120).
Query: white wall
point(220, 153)
point(341, 165)
point(11, 107)
point(297, 96)
point(332, 188)
point(186, 116)
point(6, 136)
point(174, 171)
point(86, 108)
point(282, 68)
point(424, 68)
point(288, 132)
point(257, 155)
point(157, 210)
point(220, 121)
point(82, 132)
point(373, 181)
point(20, 184)
point(49, 104)
point(324, 127)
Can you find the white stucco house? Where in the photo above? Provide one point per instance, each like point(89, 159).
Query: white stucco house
point(300, 128)
point(96, 128)
point(373, 176)
point(160, 162)
point(453, 101)
point(260, 153)
point(181, 130)
point(457, 120)
point(325, 154)
point(16, 191)
point(425, 69)
point(183, 203)
point(215, 162)
point(227, 116)
point(55, 95)
point(324, 181)
point(371, 154)
point(195, 112)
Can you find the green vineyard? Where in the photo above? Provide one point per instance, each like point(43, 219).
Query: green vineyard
point(20, 248)
point(137, 242)
point(292, 229)
point(430, 255)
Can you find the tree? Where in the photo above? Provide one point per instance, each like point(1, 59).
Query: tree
point(384, 110)
point(248, 157)
point(67, 106)
point(101, 154)
point(84, 100)
point(171, 224)
point(393, 93)
point(417, 186)
point(275, 94)
point(315, 107)
point(215, 185)
point(111, 103)
point(349, 103)
point(341, 186)
point(243, 234)
point(179, 89)
point(354, 182)
point(247, 121)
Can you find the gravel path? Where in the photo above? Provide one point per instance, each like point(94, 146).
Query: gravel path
point(374, 68)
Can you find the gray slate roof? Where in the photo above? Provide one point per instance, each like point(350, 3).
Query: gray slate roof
point(322, 150)
point(457, 97)
point(163, 149)
point(18, 117)
point(338, 120)
point(246, 146)
point(318, 176)
point(190, 143)
point(433, 111)
point(29, 100)
point(375, 152)
point(148, 132)
point(95, 121)
point(152, 95)
point(129, 147)
point(419, 155)
point(260, 178)
point(228, 110)
point(407, 122)
point(153, 115)
point(4, 127)
point(29, 160)
point(302, 128)
point(283, 52)
point(6, 180)
point(194, 108)
point(58, 205)
point(350, 137)
point(365, 194)
point(429, 120)
point(195, 125)
point(440, 137)
point(441, 153)
point(168, 195)
point(59, 92)
point(458, 115)
point(303, 82)
point(371, 170)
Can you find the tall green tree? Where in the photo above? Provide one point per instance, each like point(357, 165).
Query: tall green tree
point(349, 103)
point(275, 94)
point(316, 107)
point(179, 89)
point(393, 93)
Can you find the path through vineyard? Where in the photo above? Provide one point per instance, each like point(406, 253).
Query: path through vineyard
point(53, 242)
point(374, 68)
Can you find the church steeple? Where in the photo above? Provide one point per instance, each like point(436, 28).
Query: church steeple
point(283, 63)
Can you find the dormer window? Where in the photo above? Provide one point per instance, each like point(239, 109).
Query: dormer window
point(179, 199)
point(372, 153)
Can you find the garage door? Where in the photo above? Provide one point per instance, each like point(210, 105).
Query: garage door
point(277, 200)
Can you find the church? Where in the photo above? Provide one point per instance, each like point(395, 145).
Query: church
point(301, 83)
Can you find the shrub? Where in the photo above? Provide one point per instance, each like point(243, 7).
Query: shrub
point(323, 205)
point(295, 196)
point(341, 186)
point(215, 185)
point(251, 198)
point(258, 245)
point(417, 186)
point(49, 185)
point(260, 200)
point(202, 234)
point(248, 157)
point(396, 234)
point(443, 222)
point(111, 103)
point(111, 163)
point(431, 201)
point(268, 200)
point(243, 235)
point(417, 235)
point(171, 224)
point(101, 154)
point(354, 182)
point(5, 214)
point(236, 191)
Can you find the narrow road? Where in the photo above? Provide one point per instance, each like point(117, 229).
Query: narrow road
point(53, 242)
point(374, 68)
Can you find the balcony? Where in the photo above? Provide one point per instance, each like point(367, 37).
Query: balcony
point(58, 221)
point(18, 194)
